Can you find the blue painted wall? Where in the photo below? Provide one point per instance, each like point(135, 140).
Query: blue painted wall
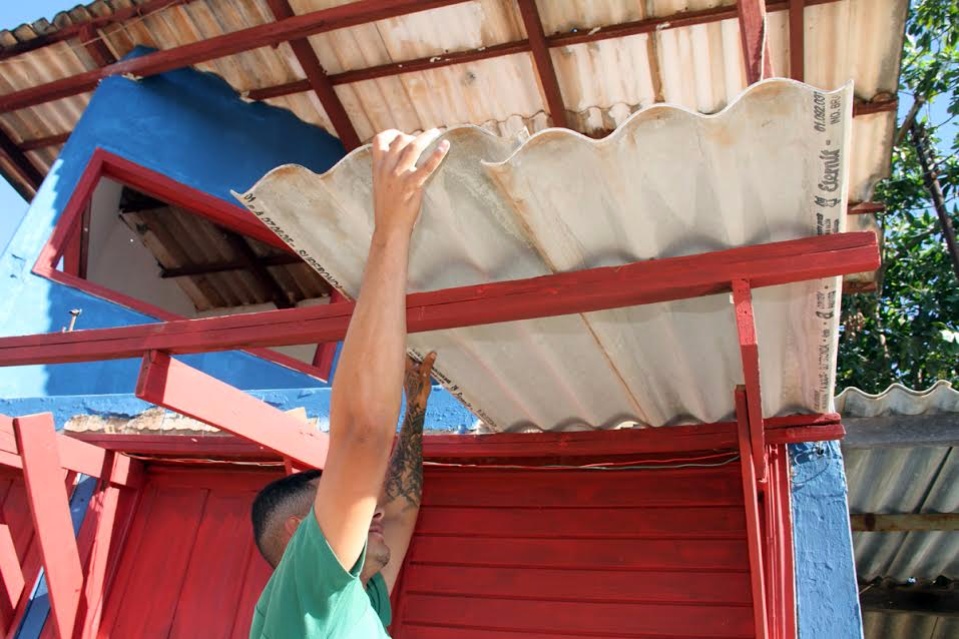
point(827, 595)
point(191, 127)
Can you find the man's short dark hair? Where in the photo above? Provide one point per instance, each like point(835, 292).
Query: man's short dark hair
point(277, 501)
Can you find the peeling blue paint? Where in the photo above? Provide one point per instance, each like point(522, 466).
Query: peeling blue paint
point(827, 596)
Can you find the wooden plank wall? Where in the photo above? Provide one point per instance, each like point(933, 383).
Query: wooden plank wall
point(15, 513)
point(526, 554)
point(498, 554)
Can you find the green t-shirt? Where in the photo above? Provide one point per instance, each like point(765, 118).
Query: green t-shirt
point(311, 596)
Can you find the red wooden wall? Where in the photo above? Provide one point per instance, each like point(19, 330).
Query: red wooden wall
point(189, 567)
point(530, 554)
point(498, 554)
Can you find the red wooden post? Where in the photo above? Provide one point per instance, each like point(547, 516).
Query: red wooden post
point(752, 29)
point(166, 382)
point(73, 455)
point(749, 350)
point(50, 509)
point(753, 528)
point(326, 352)
point(786, 586)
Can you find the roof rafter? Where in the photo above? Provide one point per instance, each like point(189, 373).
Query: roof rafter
point(318, 80)
point(337, 17)
point(797, 40)
point(15, 156)
point(545, 71)
point(752, 30)
point(96, 47)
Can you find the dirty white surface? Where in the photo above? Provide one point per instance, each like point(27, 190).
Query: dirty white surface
point(772, 166)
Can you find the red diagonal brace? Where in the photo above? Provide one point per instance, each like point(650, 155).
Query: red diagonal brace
point(749, 350)
point(50, 509)
point(166, 382)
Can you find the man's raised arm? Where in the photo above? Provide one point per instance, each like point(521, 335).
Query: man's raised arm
point(367, 389)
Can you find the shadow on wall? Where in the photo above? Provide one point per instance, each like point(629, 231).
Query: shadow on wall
point(191, 127)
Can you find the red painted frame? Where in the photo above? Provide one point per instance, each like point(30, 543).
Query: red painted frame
point(66, 241)
point(74, 566)
point(563, 293)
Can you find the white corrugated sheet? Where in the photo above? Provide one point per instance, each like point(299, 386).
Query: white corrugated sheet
point(669, 182)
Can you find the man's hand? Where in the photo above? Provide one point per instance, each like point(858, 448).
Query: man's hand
point(397, 182)
point(367, 388)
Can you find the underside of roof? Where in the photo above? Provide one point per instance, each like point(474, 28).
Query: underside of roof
point(472, 62)
point(668, 183)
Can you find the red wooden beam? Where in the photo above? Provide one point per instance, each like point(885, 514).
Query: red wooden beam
point(564, 293)
point(753, 527)
point(752, 30)
point(75, 456)
point(865, 208)
point(326, 351)
point(263, 35)
point(749, 352)
point(166, 382)
point(50, 509)
point(505, 446)
point(878, 105)
point(70, 31)
point(797, 40)
point(95, 46)
point(316, 76)
point(43, 143)
point(18, 160)
point(544, 63)
point(325, 20)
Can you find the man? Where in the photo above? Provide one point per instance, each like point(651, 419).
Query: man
point(327, 535)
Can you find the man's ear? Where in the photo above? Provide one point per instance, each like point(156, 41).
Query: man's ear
point(291, 524)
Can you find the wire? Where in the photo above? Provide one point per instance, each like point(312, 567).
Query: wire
point(612, 466)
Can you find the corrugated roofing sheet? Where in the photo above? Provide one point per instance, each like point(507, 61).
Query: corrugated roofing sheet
point(667, 183)
point(903, 480)
point(941, 397)
point(602, 82)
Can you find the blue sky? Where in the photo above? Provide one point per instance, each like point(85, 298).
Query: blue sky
point(14, 12)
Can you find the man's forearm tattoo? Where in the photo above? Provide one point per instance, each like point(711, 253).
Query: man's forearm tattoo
point(405, 478)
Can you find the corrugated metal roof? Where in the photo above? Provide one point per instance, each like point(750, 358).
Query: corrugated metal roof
point(903, 480)
point(941, 397)
point(667, 183)
point(877, 625)
point(224, 264)
point(602, 82)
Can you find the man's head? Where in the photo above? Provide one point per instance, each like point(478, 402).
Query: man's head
point(280, 507)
